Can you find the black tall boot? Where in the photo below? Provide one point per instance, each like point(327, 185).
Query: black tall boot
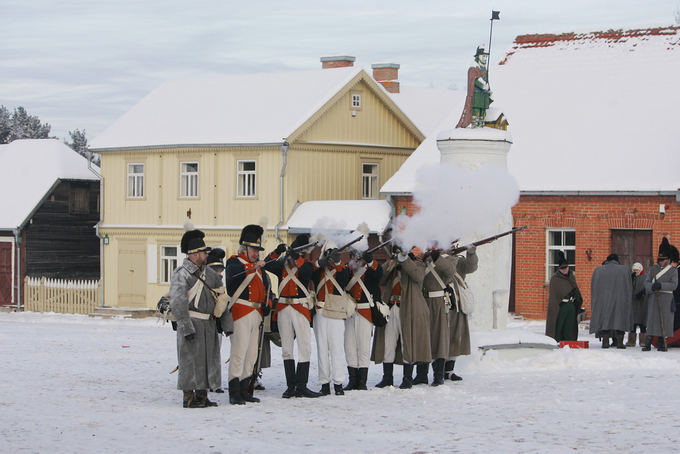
point(235, 397)
point(619, 340)
point(353, 377)
point(605, 340)
point(337, 388)
point(407, 381)
point(648, 344)
point(661, 344)
point(202, 397)
point(326, 389)
point(388, 377)
point(245, 390)
point(438, 371)
point(448, 371)
point(289, 368)
point(302, 377)
point(421, 374)
point(189, 400)
point(361, 380)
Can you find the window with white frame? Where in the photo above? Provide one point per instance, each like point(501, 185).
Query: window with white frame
point(245, 177)
point(356, 101)
point(135, 180)
point(169, 260)
point(369, 181)
point(188, 179)
point(560, 240)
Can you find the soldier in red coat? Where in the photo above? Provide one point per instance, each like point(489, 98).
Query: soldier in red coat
point(292, 314)
point(247, 285)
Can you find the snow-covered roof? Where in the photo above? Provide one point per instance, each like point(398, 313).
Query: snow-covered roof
point(31, 168)
point(236, 109)
point(593, 111)
point(426, 107)
point(587, 112)
point(340, 215)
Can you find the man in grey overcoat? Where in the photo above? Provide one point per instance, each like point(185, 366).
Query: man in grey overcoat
point(439, 272)
point(459, 328)
point(192, 304)
point(611, 301)
point(661, 280)
point(415, 317)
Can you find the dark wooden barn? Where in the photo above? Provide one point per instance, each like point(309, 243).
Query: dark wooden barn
point(50, 210)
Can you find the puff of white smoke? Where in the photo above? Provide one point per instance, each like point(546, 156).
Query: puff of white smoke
point(329, 229)
point(456, 203)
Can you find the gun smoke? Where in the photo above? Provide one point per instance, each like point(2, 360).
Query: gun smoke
point(456, 203)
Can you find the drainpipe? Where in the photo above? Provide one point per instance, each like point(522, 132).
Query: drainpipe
point(284, 152)
point(17, 240)
point(96, 228)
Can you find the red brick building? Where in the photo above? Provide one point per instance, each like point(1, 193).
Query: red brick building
point(595, 156)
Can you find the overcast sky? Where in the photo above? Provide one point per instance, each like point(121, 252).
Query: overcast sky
point(82, 64)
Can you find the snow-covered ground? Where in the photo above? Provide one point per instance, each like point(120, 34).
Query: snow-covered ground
point(74, 384)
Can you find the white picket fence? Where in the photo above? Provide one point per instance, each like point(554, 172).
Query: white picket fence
point(59, 295)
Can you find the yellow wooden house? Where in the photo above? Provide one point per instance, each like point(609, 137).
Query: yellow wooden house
point(223, 152)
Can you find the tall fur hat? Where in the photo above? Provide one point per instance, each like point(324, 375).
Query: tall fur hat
point(301, 240)
point(192, 242)
point(251, 235)
point(216, 257)
point(665, 250)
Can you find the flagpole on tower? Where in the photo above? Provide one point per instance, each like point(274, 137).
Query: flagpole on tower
point(495, 15)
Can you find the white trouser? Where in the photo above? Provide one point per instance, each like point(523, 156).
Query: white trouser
point(293, 325)
point(244, 346)
point(329, 334)
point(392, 334)
point(358, 341)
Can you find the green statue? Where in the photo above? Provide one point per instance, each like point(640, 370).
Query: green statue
point(478, 96)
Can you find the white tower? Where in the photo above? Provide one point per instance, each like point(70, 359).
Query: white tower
point(471, 148)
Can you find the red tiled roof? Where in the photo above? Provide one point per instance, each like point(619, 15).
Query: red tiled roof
point(609, 36)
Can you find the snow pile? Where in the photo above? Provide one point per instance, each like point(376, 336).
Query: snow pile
point(73, 384)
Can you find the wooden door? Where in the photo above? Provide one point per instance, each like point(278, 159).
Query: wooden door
point(6, 280)
point(633, 246)
point(132, 274)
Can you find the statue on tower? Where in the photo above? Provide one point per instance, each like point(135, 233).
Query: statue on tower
point(478, 96)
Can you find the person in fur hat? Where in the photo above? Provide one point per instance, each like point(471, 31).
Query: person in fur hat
point(198, 348)
point(661, 281)
point(247, 285)
point(293, 316)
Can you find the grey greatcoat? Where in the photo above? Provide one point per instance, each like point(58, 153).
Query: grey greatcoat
point(439, 324)
point(199, 359)
point(660, 299)
point(459, 329)
point(390, 270)
point(611, 298)
point(639, 299)
point(415, 314)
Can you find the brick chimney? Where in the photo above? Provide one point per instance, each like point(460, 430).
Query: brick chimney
point(387, 74)
point(340, 61)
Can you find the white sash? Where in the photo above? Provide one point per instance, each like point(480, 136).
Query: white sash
point(249, 277)
point(356, 279)
point(292, 276)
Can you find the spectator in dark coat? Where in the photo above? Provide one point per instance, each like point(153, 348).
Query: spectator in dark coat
point(611, 299)
point(564, 302)
point(639, 305)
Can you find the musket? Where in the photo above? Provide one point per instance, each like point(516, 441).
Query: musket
point(384, 243)
point(295, 249)
point(260, 344)
point(345, 246)
point(487, 240)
